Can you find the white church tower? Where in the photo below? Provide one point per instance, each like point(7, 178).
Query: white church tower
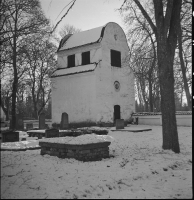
point(93, 84)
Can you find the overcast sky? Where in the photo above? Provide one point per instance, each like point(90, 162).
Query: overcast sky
point(85, 14)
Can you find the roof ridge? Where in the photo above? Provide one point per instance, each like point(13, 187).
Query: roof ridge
point(81, 38)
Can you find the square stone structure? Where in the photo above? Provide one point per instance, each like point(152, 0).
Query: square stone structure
point(49, 133)
point(64, 121)
point(10, 136)
point(42, 121)
point(93, 82)
point(120, 124)
point(29, 126)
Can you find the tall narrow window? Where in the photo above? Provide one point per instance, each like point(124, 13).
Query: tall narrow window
point(85, 58)
point(71, 61)
point(115, 58)
point(117, 112)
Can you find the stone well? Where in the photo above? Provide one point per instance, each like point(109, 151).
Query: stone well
point(90, 149)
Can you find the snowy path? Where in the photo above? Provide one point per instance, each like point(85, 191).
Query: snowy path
point(139, 169)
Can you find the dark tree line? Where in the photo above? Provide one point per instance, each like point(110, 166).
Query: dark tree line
point(23, 24)
point(28, 47)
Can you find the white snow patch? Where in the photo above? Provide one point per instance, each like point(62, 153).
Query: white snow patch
point(82, 139)
point(139, 169)
point(72, 70)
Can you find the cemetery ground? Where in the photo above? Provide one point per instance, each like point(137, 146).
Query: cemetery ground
point(138, 167)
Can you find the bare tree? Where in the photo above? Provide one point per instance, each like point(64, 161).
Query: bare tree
point(68, 29)
point(22, 18)
point(39, 54)
point(6, 98)
point(184, 36)
point(72, 4)
point(165, 27)
point(142, 44)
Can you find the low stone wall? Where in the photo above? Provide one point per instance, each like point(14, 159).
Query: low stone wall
point(64, 133)
point(182, 118)
point(31, 124)
point(96, 130)
point(150, 120)
point(36, 133)
point(84, 152)
point(71, 133)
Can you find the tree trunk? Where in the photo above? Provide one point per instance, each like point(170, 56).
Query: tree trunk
point(157, 100)
point(150, 76)
point(186, 87)
point(14, 91)
point(166, 45)
point(166, 35)
point(15, 83)
point(150, 94)
point(5, 107)
point(142, 86)
point(34, 105)
point(165, 65)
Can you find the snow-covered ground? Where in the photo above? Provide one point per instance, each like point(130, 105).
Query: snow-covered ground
point(138, 168)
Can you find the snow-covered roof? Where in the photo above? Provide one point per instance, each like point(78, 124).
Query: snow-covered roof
point(74, 70)
point(82, 38)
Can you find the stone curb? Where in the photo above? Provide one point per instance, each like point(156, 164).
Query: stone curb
point(19, 149)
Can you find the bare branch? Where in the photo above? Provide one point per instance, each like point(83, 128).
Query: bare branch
point(63, 17)
point(145, 14)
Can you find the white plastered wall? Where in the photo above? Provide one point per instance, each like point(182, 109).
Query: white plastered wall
point(95, 55)
point(106, 75)
point(75, 94)
point(91, 96)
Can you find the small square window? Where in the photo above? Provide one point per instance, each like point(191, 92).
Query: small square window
point(85, 58)
point(71, 61)
point(115, 58)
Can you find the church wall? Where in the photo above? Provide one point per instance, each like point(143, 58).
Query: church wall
point(75, 95)
point(91, 96)
point(95, 55)
point(106, 75)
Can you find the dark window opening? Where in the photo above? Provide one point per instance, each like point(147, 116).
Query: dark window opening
point(71, 61)
point(117, 113)
point(115, 58)
point(85, 58)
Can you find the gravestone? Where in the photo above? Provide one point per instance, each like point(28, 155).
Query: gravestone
point(136, 120)
point(19, 122)
point(29, 126)
point(10, 136)
point(10, 124)
point(39, 136)
point(64, 121)
point(120, 124)
point(49, 133)
point(42, 121)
